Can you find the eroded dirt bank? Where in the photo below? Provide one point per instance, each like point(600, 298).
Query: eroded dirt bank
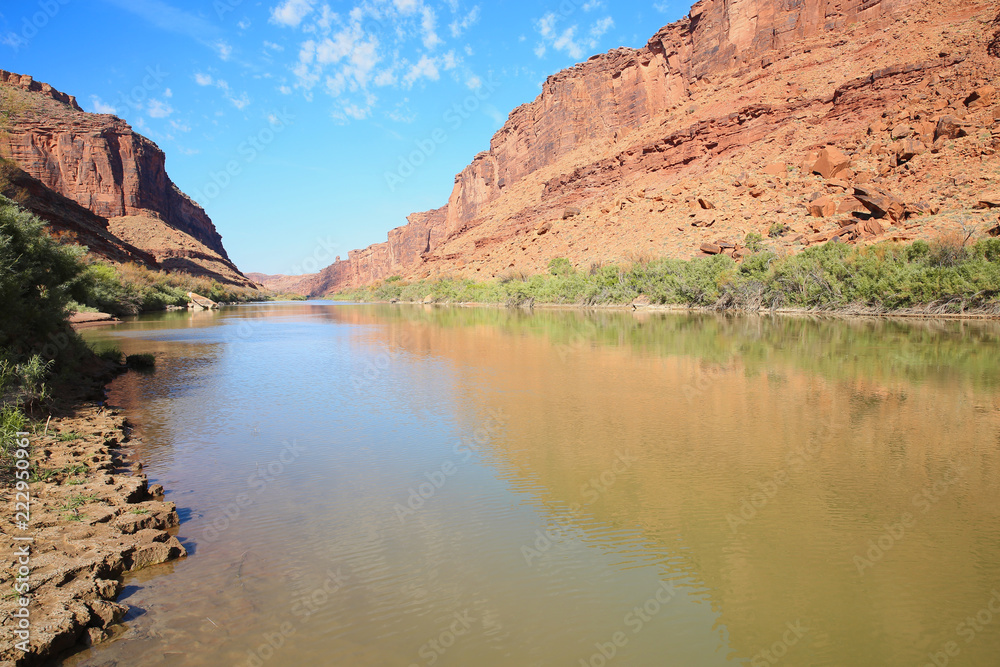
point(93, 517)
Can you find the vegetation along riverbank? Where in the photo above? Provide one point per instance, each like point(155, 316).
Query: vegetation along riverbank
point(78, 514)
point(951, 276)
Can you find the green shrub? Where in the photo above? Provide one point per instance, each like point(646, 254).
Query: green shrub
point(560, 266)
point(141, 361)
point(778, 229)
point(886, 276)
point(754, 242)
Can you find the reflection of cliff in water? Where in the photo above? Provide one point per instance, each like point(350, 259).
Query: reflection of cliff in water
point(833, 430)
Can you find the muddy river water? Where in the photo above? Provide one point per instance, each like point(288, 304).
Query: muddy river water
point(388, 485)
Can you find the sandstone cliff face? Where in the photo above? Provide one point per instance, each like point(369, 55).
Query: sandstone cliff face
point(66, 219)
point(404, 250)
point(97, 161)
point(606, 102)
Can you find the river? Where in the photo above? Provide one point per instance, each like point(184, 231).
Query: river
point(408, 485)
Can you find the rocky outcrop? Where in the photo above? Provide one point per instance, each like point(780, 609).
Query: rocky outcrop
point(101, 164)
point(27, 83)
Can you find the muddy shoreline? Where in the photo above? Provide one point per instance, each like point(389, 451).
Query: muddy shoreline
point(93, 518)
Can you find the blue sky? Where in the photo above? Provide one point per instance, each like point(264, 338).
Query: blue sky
point(307, 128)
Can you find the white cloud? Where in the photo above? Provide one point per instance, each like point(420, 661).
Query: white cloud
point(100, 106)
point(203, 79)
point(425, 68)
point(386, 77)
point(168, 93)
point(458, 26)
point(565, 42)
point(158, 109)
point(407, 6)
point(244, 24)
point(272, 46)
point(291, 12)
point(600, 28)
point(474, 82)
point(224, 49)
point(591, 5)
point(180, 127)
point(429, 26)
point(240, 102)
point(568, 40)
point(546, 24)
point(374, 44)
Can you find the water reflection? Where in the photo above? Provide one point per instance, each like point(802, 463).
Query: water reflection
point(671, 489)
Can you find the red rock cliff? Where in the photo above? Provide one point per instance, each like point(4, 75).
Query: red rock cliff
point(97, 161)
point(614, 93)
point(596, 104)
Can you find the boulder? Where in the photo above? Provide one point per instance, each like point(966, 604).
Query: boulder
point(949, 127)
point(830, 160)
point(705, 204)
point(880, 203)
point(989, 200)
point(90, 318)
point(543, 228)
point(571, 212)
point(907, 149)
point(156, 553)
point(640, 301)
point(850, 205)
point(823, 207)
point(198, 302)
point(901, 131)
point(776, 169)
point(980, 97)
point(710, 248)
point(870, 227)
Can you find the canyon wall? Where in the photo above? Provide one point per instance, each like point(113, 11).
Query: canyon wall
point(101, 164)
point(598, 104)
